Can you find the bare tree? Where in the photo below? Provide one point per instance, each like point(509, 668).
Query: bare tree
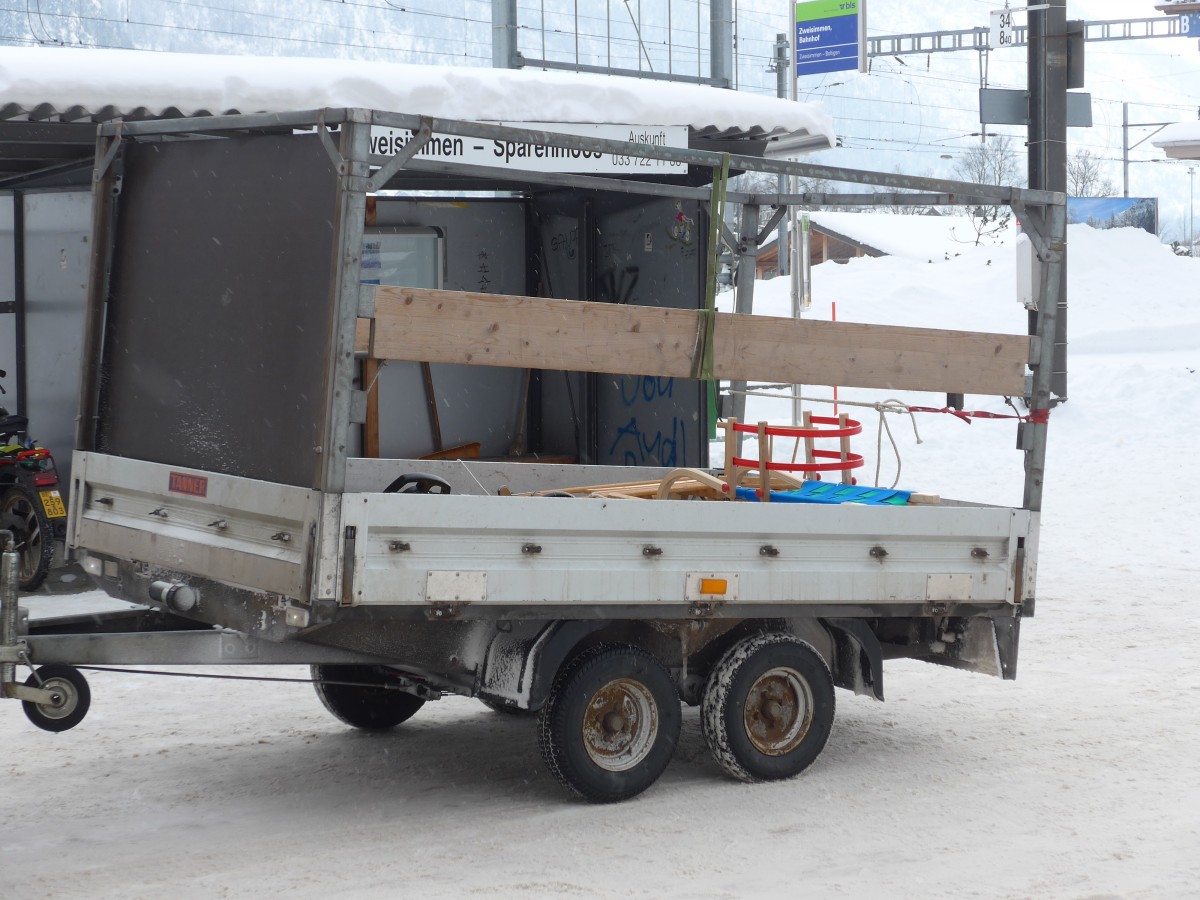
point(995, 162)
point(1085, 178)
point(990, 163)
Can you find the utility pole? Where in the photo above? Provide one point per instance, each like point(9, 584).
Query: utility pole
point(1047, 70)
point(782, 64)
point(1192, 211)
point(1125, 145)
point(504, 34)
point(720, 42)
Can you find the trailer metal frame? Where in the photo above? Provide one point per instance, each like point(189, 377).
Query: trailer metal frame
point(488, 595)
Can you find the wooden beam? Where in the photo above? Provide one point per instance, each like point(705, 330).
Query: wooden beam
point(572, 335)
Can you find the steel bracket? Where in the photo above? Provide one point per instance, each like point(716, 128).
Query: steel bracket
point(702, 609)
point(110, 154)
point(443, 612)
point(13, 653)
point(401, 159)
point(769, 228)
point(1033, 227)
point(15, 691)
point(335, 155)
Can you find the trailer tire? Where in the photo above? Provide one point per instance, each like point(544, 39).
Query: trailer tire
point(768, 707)
point(22, 511)
point(611, 723)
point(363, 706)
point(73, 697)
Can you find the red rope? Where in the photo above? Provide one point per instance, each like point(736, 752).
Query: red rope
point(1036, 416)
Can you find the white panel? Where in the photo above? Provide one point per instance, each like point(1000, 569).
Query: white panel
point(595, 551)
point(455, 587)
point(949, 587)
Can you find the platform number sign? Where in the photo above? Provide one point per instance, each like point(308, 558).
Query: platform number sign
point(1002, 28)
point(1189, 25)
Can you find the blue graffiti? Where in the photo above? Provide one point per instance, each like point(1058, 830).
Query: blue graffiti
point(642, 448)
point(647, 388)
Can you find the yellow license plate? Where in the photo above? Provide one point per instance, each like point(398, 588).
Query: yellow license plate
point(53, 504)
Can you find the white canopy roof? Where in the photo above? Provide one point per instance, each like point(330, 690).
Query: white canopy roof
point(67, 83)
point(1179, 141)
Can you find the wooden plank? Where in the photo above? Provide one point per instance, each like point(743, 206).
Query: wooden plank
point(532, 332)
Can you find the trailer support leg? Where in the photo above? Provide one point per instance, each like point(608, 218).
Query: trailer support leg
point(9, 649)
point(12, 650)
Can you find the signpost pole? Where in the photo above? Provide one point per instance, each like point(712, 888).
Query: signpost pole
point(1047, 69)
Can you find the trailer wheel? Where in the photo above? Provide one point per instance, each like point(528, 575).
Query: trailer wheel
point(357, 703)
point(22, 511)
point(70, 703)
point(768, 707)
point(611, 723)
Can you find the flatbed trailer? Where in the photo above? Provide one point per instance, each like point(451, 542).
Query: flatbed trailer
point(230, 476)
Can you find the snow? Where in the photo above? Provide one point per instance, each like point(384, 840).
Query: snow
point(1180, 140)
point(127, 79)
point(923, 238)
point(1079, 779)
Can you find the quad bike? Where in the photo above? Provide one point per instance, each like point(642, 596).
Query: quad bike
point(31, 505)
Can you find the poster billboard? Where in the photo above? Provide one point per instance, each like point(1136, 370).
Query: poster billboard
point(1114, 212)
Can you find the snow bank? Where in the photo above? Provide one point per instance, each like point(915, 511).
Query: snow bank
point(922, 238)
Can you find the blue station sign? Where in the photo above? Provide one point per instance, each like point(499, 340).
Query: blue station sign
point(828, 36)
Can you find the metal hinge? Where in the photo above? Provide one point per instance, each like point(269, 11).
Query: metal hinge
point(349, 543)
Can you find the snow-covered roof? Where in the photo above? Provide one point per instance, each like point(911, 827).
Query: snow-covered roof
point(910, 236)
point(73, 84)
point(1179, 141)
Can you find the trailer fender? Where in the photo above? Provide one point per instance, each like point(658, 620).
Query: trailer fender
point(521, 663)
point(858, 658)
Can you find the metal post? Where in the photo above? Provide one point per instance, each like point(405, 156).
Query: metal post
point(1125, 147)
point(721, 42)
point(801, 294)
point(782, 73)
point(104, 188)
point(354, 147)
point(1191, 229)
point(21, 310)
point(1047, 69)
point(1054, 219)
point(10, 562)
point(504, 34)
point(805, 299)
point(744, 298)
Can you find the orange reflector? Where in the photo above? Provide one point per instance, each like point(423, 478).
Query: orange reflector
point(714, 585)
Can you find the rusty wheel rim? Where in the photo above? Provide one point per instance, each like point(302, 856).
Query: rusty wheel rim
point(29, 534)
point(778, 711)
point(620, 725)
point(64, 701)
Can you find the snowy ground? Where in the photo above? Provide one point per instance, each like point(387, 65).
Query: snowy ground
point(1079, 780)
